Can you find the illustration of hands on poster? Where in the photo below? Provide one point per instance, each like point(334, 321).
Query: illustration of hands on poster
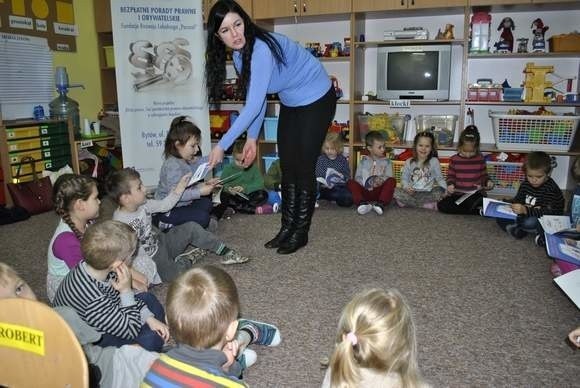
point(161, 66)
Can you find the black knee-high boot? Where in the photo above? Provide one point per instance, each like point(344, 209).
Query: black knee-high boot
point(299, 236)
point(289, 197)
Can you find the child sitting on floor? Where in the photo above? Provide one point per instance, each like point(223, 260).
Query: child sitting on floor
point(373, 185)
point(332, 172)
point(422, 183)
point(273, 183)
point(12, 285)
point(166, 249)
point(76, 201)
point(537, 195)
point(375, 344)
point(467, 172)
point(180, 152)
point(243, 188)
point(202, 312)
point(99, 290)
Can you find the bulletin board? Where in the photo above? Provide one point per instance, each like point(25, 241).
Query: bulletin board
point(50, 19)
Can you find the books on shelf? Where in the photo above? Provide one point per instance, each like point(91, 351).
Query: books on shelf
point(570, 284)
point(498, 209)
point(562, 241)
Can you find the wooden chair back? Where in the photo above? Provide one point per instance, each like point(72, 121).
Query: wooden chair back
point(37, 347)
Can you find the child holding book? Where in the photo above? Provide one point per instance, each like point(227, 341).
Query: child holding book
point(375, 344)
point(202, 312)
point(332, 172)
point(168, 249)
point(538, 195)
point(467, 172)
point(243, 187)
point(422, 183)
point(180, 152)
point(373, 185)
point(99, 290)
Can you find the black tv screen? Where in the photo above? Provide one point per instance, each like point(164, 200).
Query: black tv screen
point(412, 70)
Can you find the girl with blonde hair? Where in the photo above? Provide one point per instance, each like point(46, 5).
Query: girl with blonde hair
point(375, 344)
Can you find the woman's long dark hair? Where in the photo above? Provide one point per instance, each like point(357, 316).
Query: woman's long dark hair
point(215, 65)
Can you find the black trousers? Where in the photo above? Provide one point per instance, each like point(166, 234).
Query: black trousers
point(301, 132)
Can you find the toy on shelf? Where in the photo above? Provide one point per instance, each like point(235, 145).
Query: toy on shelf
point(337, 88)
point(522, 45)
point(539, 30)
point(536, 84)
point(480, 31)
point(447, 34)
point(506, 39)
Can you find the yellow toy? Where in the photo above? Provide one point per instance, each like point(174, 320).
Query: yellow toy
point(535, 83)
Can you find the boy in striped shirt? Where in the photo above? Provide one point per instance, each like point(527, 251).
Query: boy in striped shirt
point(99, 290)
point(538, 195)
point(202, 313)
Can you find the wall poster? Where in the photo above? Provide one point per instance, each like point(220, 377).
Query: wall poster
point(50, 19)
point(159, 57)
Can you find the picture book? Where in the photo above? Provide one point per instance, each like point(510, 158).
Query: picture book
point(570, 284)
point(498, 209)
point(466, 195)
point(332, 178)
point(562, 241)
point(199, 174)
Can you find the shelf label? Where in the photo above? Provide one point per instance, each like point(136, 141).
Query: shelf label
point(86, 144)
point(400, 103)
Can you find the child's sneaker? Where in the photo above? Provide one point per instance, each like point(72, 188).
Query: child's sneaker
point(192, 255)
point(364, 208)
point(514, 231)
point(262, 333)
point(540, 241)
point(233, 257)
point(378, 208)
point(247, 358)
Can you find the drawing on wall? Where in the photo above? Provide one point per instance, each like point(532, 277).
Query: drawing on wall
point(160, 66)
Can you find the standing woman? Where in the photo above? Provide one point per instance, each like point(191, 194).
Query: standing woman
point(267, 63)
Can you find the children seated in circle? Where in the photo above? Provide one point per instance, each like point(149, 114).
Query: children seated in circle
point(422, 183)
point(537, 195)
point(375, 344)
point(332, 172)
point(180, 152)
point(467, 172)
point(373, 185)
point(243, 188)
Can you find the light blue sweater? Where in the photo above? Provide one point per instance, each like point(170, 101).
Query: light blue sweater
point(300, 82)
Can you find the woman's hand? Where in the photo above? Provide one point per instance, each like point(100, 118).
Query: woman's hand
point(215, 156)
point(249, 152)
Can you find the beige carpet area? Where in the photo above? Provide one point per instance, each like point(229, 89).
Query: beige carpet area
point(486, 309)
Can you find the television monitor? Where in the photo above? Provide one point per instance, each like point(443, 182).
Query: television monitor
point(418, 72)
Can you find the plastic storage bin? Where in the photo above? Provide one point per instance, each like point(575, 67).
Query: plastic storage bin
point(507, 177)
point(268, 160)
point(398, 170)
point(533, 132)
point(442, 126)
point(271, 128)
point(394, 127)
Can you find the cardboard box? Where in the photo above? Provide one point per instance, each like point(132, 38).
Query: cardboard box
point(565, 42)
